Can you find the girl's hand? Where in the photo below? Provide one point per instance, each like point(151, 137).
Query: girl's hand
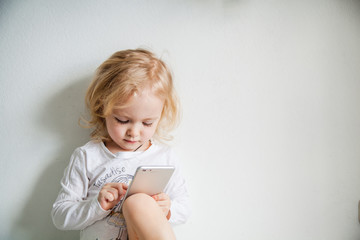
point(111, 194)
point(164, 202)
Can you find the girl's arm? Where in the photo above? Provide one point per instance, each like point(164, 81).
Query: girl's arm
point(73, 210)
point(76, 215)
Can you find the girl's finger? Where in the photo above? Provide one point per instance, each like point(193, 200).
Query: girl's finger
point(161, 197)
point(114, 192)
point(121, 187)
point(113, 185)
point(109, 197)
point(164, 203)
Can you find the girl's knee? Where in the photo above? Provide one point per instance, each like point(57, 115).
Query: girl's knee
point(138, 202)
point(145, 219)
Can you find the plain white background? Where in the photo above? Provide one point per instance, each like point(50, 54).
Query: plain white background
point(270, 90)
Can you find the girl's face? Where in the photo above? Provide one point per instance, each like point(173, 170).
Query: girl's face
point(134, 125)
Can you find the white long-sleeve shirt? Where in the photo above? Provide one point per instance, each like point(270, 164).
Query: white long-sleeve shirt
point(93, 165)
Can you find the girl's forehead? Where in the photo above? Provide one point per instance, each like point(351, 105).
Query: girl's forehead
point(144, 95)
point(143, 103)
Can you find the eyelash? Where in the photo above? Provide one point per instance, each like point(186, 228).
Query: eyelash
point(121, 122)
point(147, 124)
point(127, 121)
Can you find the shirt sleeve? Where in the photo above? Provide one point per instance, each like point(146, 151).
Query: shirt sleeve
point(177, 191)
point(72, 209)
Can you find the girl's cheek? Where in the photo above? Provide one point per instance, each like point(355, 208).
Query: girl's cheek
point(120, 129)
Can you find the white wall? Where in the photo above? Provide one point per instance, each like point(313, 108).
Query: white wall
point(270, 137)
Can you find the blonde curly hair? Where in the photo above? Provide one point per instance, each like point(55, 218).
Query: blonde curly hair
point(120, 77)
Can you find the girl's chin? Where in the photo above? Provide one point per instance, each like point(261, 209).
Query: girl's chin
point(127, 146)
point(132, 146)
point(124, 147)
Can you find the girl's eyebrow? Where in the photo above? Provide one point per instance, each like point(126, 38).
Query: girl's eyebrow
point(120, 115)
point(150, 119)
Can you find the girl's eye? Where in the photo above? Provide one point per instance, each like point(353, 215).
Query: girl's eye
point(122, 121)
point(147, 124)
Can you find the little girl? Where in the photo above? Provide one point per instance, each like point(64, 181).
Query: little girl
point(133, 104)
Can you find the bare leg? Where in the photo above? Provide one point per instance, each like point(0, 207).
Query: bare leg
point(145, 220)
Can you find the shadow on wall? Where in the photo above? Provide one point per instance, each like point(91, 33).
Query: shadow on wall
point(60, 116)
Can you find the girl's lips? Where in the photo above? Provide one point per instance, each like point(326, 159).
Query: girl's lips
point(128, 141)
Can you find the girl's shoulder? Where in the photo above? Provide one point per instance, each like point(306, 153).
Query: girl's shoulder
point(91, 145)
point(160, 147)
point(94, 148)
point(162, 150)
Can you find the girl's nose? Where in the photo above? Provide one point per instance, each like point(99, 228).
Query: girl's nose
point(133, 131)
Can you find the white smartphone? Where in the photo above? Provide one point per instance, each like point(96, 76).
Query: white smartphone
point(150, 180)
